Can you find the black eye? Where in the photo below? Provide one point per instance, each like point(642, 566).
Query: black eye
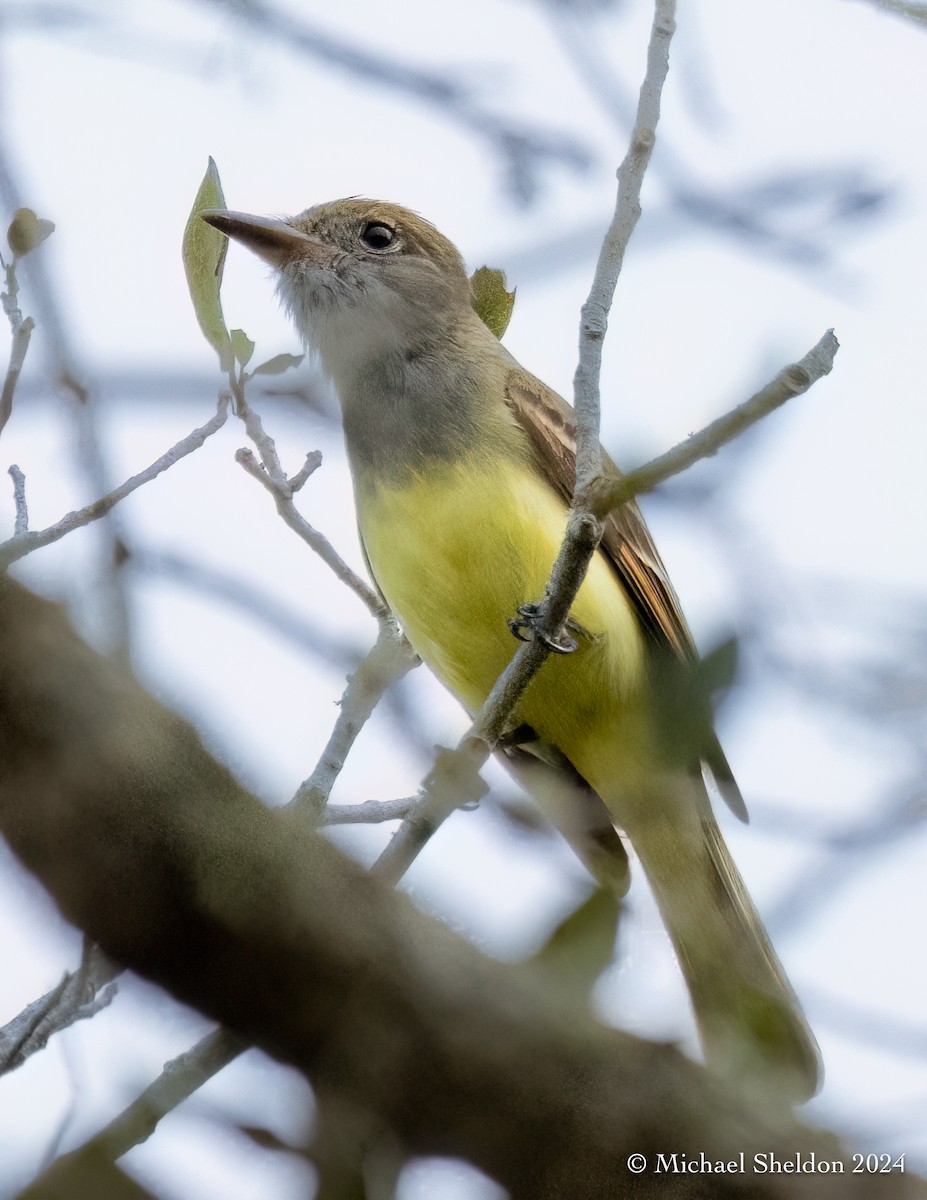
point(378, 236)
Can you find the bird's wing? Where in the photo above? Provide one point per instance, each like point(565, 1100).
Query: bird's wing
point(550, 426)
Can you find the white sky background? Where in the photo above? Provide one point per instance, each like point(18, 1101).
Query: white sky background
point(108, 126)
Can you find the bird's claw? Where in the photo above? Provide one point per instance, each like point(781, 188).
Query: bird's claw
point(526, 628)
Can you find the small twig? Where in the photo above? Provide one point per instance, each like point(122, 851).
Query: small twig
point(24, 543)
point(21, 329)
point(270, 474)
point(388, 661)
point(309, 467)
point(179, 1079)
point(790, 382)
point(594, 315)
point(266, 446)
point(19, 499)
point(17, 358)
point(453, 782)
point(371, 812)
point(79, 995)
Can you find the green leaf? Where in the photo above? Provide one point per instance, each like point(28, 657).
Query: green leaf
point(582, 945)
point(242, 346)
point(279, 363)
point(491, 302)
point(204, 251)
point(27, 231)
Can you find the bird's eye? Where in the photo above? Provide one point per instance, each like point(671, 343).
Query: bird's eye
point(378, 236)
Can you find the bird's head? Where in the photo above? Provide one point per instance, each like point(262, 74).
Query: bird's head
point(358, 276)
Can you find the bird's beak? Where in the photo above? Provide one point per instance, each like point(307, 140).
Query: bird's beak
point(276, 241)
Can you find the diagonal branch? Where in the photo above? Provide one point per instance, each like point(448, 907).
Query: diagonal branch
point(791, 381)
point(79, 995)
point(270, 474)
point(21, 544)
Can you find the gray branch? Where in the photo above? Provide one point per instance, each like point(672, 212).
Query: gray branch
point(21, 544)
point(270, 474)
point(791, 381)
point(594, 316)
point(19, 499)
point(390, 659)
point(79, 995)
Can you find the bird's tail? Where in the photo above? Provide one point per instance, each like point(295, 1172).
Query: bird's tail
point(750, 1022)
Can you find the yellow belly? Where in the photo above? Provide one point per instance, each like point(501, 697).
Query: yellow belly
point(455, 555)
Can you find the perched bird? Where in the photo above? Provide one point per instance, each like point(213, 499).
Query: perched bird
point(463, 468)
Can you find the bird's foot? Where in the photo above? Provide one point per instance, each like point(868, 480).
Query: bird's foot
point(527, 628)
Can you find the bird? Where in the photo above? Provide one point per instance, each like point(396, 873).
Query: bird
point(463, 467)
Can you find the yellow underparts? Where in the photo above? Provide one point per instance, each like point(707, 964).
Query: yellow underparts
point(457, 552)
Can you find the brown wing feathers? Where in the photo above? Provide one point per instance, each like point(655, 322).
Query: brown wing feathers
point(548, 422)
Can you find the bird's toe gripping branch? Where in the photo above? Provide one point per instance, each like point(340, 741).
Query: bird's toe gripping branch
point(529, 626)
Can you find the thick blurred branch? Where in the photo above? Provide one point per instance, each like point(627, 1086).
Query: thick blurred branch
point(163, 858)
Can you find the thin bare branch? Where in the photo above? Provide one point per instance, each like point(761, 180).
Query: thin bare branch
point(17, 358)
point(179, 1079)
point(79, 995)
point(309, 467)
point(388, 661)
point(271, 475)
point(594, 315)
point(453, 782)
point(371, 812)
point(21, 544)
point(21, 328)
point(113, 606)
point(791, 381)
point(19, 499)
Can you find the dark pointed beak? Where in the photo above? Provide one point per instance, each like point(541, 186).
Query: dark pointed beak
point(270, 238)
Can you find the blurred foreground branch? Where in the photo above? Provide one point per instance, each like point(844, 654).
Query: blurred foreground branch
point(152, 847)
